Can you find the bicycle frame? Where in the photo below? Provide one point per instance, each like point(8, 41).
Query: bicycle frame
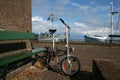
point(67, 40)
point(52, 31)
point(53, 41)
point(67, 30)
point(67, 63)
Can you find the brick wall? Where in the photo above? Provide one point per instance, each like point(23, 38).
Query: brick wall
point(15, 15)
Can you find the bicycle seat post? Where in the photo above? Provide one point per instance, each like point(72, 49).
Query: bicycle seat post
point(52, 31)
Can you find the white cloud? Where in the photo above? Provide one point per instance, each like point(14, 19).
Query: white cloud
point(75, 4)
point(91, 8)
point(80, 24)
point(90, 30)
point(93, 32)
point(99, 31)
point(37, 18)
point(101, 8)
point(40, 25)
point(83, 7)
point(64, 1)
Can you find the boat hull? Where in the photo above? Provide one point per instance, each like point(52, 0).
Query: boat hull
point(94, 39)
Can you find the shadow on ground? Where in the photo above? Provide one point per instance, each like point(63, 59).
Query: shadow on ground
point(82, 75)
point(55, 69)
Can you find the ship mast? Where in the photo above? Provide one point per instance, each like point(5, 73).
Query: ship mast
point(112, 13)
point(112, 21)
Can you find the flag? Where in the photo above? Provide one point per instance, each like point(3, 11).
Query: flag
point(50, 17)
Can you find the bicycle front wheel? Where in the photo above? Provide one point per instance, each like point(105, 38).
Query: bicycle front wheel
point(70, 66)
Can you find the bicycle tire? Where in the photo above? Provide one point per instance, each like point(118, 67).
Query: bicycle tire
point(65, 66)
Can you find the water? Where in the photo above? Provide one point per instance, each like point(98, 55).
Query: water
point(77, 40)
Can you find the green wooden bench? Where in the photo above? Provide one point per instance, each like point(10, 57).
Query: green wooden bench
point(12, 58)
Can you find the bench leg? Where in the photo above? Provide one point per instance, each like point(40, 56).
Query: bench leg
point(3, 72)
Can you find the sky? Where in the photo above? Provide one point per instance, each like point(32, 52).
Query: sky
point(83, 16)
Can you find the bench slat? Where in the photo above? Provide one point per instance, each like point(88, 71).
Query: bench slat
point(38, 50)
point(10, 35)
point(13, 58)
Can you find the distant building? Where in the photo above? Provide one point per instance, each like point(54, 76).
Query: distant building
point(44, 35)
point(60, 38)
point(47, 37)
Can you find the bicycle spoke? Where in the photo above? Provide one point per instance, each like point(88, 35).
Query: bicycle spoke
point(70, 66)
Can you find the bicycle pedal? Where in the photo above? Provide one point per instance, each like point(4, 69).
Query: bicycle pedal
point(49, 67)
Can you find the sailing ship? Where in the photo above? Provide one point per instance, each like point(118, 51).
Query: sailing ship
point(99, 38)
point(95, 38)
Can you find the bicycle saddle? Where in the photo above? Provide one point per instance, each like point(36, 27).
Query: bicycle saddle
point(52, 31)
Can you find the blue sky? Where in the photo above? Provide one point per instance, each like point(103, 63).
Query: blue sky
point(83, 16)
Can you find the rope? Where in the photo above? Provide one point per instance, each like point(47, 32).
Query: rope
point(117, 24)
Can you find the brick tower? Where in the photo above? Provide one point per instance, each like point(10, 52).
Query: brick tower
point(15, 15)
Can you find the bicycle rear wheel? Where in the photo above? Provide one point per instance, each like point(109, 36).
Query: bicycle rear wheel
point(70, 66)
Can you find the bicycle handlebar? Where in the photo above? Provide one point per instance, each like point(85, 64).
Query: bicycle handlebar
point(64, 23)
